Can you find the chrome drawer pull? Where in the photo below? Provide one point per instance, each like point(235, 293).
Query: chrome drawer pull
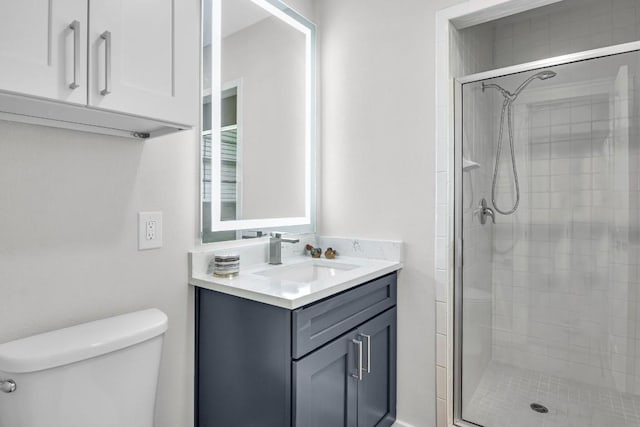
point(368, 337)
point(358, 375)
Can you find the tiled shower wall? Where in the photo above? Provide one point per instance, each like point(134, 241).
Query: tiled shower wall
point(565, 265)
point(565, 27)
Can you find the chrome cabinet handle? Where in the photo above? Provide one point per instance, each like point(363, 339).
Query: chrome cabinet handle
point(75, 27)
point(368, 337)
point(106, 36)
point(8, 386)
point(358, 375)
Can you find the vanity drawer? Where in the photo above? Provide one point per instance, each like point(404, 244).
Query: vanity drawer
point(319, 323)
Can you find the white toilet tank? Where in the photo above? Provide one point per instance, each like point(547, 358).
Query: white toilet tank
point(97, 374)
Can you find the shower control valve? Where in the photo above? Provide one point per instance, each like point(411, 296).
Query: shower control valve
point(485, 211)
point(8, 386)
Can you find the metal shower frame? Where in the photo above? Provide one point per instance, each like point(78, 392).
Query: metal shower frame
point(457, 228)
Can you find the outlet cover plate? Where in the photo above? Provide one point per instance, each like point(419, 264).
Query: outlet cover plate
point(149, 230)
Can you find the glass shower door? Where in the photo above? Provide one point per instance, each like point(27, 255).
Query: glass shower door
point(548, 328)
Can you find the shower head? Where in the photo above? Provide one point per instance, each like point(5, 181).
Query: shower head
point(544, 75)
point(510, 97)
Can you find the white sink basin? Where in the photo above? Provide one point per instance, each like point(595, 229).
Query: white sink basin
point(308, 271)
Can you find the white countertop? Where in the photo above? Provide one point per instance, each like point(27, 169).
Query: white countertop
point(291, 294)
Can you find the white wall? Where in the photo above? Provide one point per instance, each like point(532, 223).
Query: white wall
point(68, 235)
point(378, 160)
point(68, 239)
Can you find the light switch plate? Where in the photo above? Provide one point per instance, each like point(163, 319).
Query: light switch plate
point(149, 230)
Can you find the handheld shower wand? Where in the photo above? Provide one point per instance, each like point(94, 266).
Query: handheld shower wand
point(507, 106)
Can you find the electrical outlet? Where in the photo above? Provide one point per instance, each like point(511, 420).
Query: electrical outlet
point(149, 230)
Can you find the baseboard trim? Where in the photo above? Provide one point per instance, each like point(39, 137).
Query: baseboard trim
point(401, 424)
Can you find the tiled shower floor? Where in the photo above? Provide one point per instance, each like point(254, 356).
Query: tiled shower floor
point(505, 393)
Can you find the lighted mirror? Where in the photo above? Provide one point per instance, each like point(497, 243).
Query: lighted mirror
point(258, 124)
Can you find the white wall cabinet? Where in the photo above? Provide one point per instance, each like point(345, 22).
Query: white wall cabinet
point(146, 68)
point(123, 67)
point(43, 49)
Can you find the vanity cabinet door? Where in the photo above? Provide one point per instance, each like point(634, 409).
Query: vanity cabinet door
point(43, 46)
point(140, 55)
point(377, 390)
point(325, 390)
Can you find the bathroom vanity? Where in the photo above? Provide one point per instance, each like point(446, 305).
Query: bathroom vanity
point(311, 342)
point(285, 361)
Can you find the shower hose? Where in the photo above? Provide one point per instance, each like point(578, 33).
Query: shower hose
point(507, 107)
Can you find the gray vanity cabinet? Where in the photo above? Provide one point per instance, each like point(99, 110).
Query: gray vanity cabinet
point(329, 390)
point(331, 363)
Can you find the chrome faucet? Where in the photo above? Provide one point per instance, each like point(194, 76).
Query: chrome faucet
point(275, 247)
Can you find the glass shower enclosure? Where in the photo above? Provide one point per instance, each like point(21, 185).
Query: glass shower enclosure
point(547, 201)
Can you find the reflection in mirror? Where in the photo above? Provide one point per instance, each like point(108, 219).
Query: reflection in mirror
point(258, 118)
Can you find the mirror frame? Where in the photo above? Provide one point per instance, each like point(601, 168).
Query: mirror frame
point(303, 224)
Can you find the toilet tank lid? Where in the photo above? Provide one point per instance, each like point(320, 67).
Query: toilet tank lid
point(80, 342)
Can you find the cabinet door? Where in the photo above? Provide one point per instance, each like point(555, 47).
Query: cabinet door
point(377, 390)
point(325, 390)
point(41, 54)
point(143, 58)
